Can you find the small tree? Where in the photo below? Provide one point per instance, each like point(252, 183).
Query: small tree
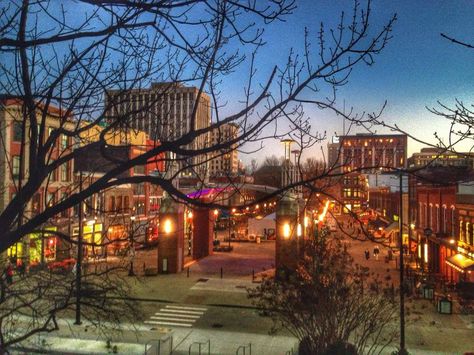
point(329, 302)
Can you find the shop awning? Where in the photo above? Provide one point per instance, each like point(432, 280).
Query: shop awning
point(394, 226)
point(460, 262)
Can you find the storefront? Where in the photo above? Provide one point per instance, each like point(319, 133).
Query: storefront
point(92, 235)
point(33, 247)
point(117, 239)
point(462, 265)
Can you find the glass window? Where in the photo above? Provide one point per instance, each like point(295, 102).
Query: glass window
point(64, 141)
point(17, 132)
point(64, 172)
point(50, 199)
point(16, 166)
point(112, 204)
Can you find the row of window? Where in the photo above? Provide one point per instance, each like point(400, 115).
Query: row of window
point(17, 135)
point(64, 171)
point(466, 232)
point(436, 218)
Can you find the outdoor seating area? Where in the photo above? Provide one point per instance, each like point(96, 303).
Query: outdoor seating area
point(446, 296)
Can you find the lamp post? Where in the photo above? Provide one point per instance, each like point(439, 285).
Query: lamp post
point(402, 271)
point(427, 232)
point(79, 259)
point(132, 247)
point(230, 226)
point(190, 230)
point(216, 214)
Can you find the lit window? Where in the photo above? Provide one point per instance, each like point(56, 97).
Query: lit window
point(16, 166)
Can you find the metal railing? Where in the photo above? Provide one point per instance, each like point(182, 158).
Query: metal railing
point(243, 349)
point(200, 344)
point(160, 343)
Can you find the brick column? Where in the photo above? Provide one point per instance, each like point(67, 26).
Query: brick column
point(171, 237)
point(287, 243)
point(203, 228)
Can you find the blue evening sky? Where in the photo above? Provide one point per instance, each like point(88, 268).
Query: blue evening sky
point(417, 68)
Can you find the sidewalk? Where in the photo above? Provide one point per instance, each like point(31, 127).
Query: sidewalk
point(231, 321)
point(134, 339)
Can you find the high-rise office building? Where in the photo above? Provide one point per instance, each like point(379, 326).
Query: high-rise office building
point(165, 111)
point(224, 162)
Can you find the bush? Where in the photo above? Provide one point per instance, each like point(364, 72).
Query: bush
point(341, 348)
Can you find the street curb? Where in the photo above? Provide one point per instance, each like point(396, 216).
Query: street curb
point(196, 304)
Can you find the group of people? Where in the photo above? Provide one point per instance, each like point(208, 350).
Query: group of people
point(8, 271)
point(376, 253)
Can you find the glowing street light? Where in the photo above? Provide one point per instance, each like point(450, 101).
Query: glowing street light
point(299, 230)
point(286, 230)
point(167, 226)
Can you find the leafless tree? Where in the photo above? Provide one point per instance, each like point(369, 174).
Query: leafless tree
point(61, 66)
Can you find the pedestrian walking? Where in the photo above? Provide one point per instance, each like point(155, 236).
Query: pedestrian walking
point(21, 267)
point(9, 273)
point(376, 252)
point(367, 254)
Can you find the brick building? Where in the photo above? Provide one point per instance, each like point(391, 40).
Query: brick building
point(15, 163)
point(363, 154)
point(368, 152)
point(124, 205)
point(443, 223)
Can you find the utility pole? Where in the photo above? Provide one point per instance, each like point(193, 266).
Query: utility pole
point(402, 282)
point(79, 258)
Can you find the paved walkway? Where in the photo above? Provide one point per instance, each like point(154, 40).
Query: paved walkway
point(205, 307)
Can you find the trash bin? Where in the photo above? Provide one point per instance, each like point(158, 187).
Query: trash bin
point(445, 306)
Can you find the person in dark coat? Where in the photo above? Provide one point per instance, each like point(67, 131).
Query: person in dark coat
point(376, 252)
point(9, 273)
point(367, 254)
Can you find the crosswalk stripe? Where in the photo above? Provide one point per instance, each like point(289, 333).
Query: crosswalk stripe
point(174, 319)
point(188, 308)
point(179, 311)
point(179, 316)
point(168, 314)
point(169, 323)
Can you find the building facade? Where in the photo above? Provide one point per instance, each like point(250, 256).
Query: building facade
point(439, 157)
point(165, 112)
point(370, 152)
point(362, 154)
point(14, 171)
point(443, 228)
point(225, 162)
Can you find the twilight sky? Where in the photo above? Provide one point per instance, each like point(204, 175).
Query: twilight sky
point(417, 68)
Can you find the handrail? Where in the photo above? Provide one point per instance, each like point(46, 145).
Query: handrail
point(200, 343)
point(244, 347)
point(158, 344)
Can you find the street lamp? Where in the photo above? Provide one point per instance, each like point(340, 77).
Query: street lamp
point(427, 232)
point(132, 247)
point(189, 230)
point(216, 214)
point(286, 230)
point(167, 226)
